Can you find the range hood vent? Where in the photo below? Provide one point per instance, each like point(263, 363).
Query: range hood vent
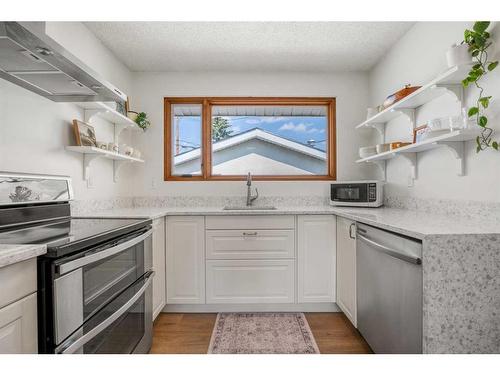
point(33, 60)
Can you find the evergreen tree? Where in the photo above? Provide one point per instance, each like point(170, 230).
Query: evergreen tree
point(221, 129)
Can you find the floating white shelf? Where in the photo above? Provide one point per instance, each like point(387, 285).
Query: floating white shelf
point(454, 141)
point(449, 81)
point(91, 153)
point(100, 109)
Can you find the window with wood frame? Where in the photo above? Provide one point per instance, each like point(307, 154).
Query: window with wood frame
point(272, 138)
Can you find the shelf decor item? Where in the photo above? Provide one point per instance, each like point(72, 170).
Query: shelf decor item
point(478, 41)
point(396, 145)
point(458, 54)
point(383, 147)
point(420, 133)
point(372, 111)
point(365, 152)
point(142, 121)
point(102, 145)
point(84, 134)
point(401, 94)
point(132, 115)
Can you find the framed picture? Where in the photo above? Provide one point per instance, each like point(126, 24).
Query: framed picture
point(419, 133)
point(84, 134)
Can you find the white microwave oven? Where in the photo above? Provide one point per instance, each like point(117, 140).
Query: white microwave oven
point(357, 193)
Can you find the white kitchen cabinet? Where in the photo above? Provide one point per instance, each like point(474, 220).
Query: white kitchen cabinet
point(316, 242)
point(18, 327)
point(159, 282)
point(251, 281)
point(255, 222)
point(185, 260)
point(250, 244)
point(346, 268)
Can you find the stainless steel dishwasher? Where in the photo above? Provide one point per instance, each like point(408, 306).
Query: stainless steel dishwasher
point(389, 290)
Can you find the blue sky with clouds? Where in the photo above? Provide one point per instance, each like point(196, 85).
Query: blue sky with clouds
point(299, 129)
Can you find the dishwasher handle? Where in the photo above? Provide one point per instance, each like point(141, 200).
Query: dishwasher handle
point(389, 251)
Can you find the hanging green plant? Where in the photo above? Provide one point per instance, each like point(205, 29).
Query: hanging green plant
point(478, 40)
point(142, 121)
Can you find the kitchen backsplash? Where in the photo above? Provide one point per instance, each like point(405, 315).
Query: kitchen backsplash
point(467, 209)
point(80, 207)
point(199, 201)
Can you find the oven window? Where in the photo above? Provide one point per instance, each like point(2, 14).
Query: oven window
point(348, 194)
point(104, 280)
point(123, 335)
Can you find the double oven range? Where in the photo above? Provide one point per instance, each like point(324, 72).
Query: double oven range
point(94, 283)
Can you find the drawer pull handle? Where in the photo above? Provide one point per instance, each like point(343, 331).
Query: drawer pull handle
point(249, 233)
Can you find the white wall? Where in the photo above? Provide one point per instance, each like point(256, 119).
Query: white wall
point(35, 130)
point(417, 58)
point(149, 89)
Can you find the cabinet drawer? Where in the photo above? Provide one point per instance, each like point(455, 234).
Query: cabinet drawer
point(250, 222)
point(17, 281)
point(250, 281)
point(250, 244)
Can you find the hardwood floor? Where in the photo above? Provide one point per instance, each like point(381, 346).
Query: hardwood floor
point(335, 334)
point(190, 334)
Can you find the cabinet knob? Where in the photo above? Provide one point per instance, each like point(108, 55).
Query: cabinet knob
point(249, 233)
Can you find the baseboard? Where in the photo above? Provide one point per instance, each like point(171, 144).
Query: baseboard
point(250, 307)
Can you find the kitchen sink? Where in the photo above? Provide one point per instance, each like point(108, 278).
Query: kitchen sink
point(249, 208)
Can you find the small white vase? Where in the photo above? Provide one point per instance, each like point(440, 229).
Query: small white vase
point(458, 55)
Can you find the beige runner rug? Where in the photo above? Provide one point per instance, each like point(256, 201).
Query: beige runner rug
point(262, 333)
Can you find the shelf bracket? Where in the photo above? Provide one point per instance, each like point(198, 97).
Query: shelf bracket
point(457, 150)
point(411, 157)
point(456, 90)
point(117, 164)
point(382, 166)
point(118, 128)
point(87, 160)
point(409, 113)
point(379, 127)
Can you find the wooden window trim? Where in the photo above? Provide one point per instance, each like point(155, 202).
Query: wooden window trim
point(206, 144)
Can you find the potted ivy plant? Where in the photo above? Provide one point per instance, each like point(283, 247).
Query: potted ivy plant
point(140, 118)
point(478, 40)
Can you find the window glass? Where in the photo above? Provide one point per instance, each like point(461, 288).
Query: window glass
point(186, 139)
point(269, 140)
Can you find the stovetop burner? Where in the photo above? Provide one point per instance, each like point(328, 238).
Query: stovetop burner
point(67, 235)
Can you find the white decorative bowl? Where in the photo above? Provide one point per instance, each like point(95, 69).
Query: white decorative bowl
point(365, 152)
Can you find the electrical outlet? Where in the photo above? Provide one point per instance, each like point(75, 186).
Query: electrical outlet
point(90, 183)
point(411, 181)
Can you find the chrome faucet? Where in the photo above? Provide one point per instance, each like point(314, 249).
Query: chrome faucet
point(251, 198)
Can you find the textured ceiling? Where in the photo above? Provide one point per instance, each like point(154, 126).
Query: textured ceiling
point(249, 46)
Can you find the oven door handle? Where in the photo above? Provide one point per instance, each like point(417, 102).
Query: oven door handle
point(80, 262)
point(78, 343)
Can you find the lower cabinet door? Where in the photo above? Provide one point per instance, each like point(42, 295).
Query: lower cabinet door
point(250, 281)
point(185, 260)
point(346, 268)
point(316, 258)
point(159, 282)
point(18, 327)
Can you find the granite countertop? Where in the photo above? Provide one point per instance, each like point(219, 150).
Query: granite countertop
point(10, 254)
point(413, 223)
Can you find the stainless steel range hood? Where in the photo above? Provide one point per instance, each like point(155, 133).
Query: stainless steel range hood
point(33, 60)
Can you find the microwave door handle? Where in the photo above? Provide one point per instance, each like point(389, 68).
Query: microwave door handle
point(92, 258)
point(78, 343)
